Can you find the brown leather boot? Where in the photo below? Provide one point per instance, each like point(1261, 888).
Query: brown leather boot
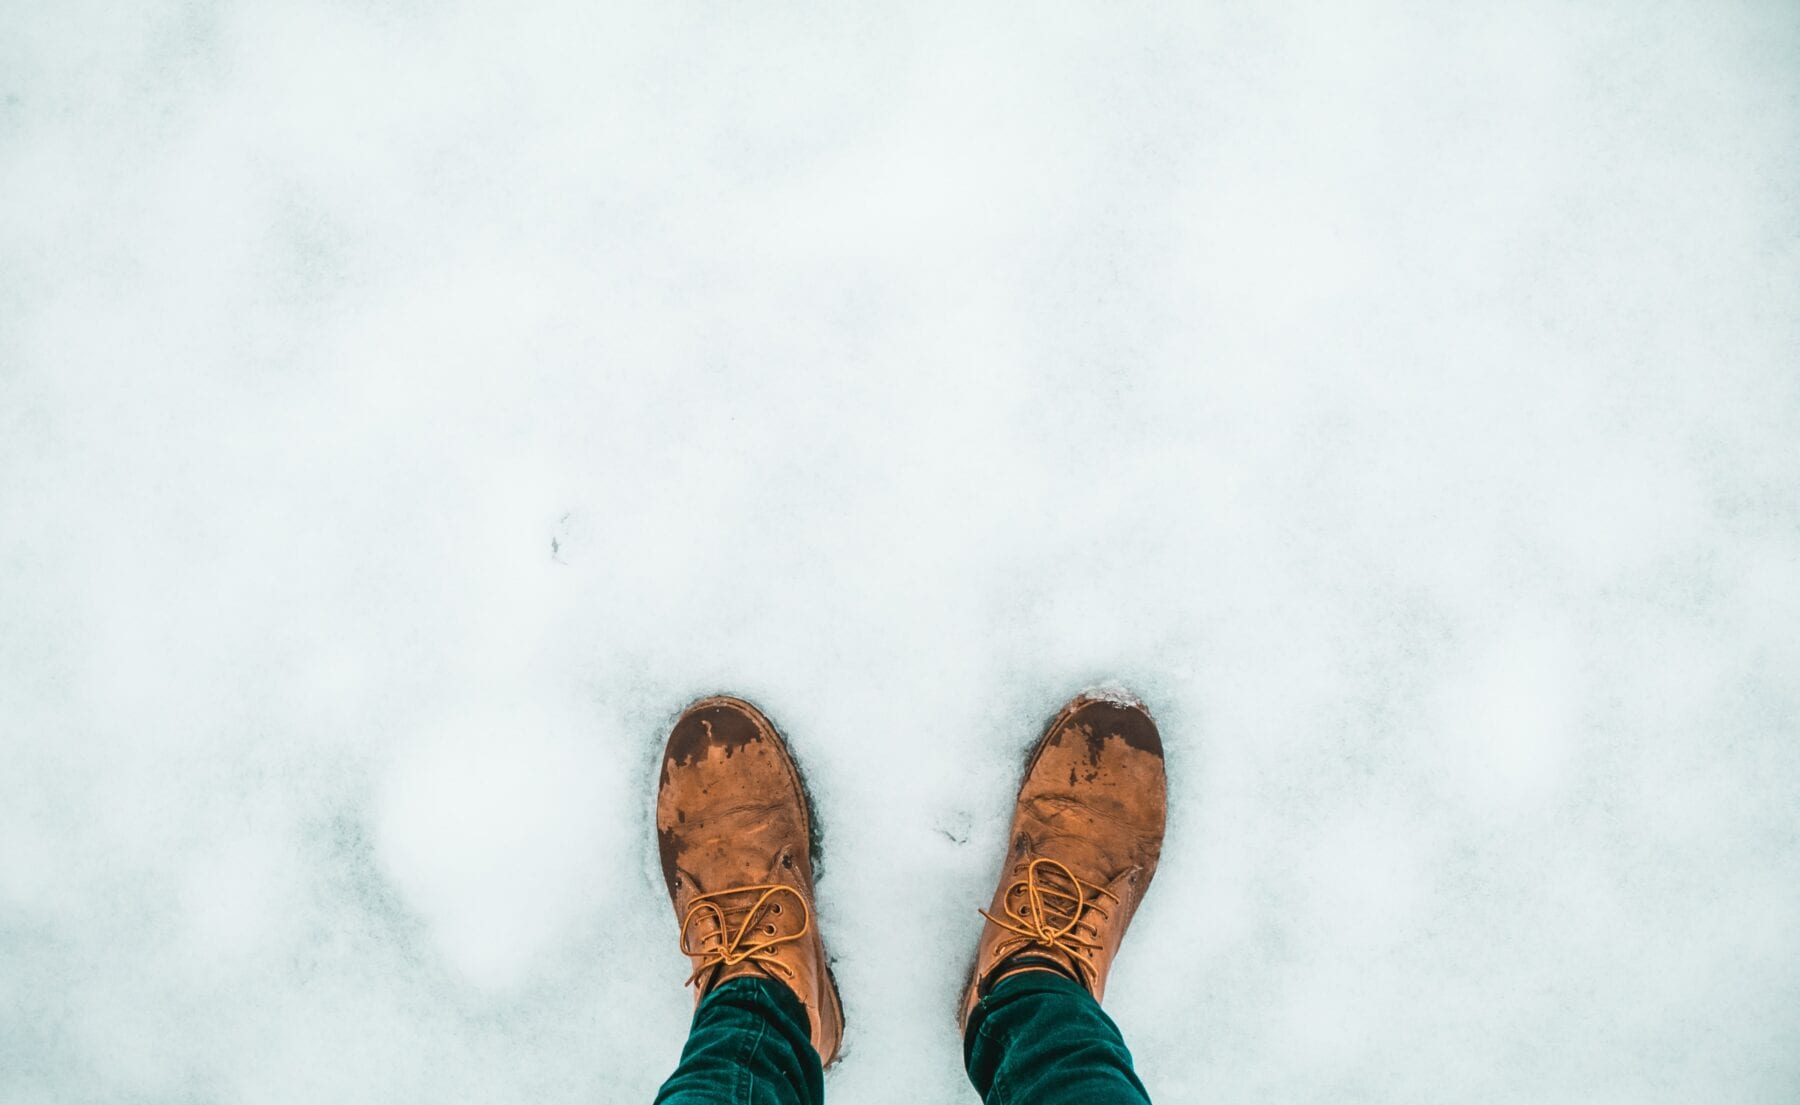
point(1086, 834)
point(734, 831)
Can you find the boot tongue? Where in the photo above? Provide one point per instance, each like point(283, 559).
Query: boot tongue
point(1030, 959)
point(739, 930)
point(749, 968)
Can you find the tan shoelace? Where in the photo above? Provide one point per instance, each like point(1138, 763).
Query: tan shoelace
point(1051, 911)
point(738, 927)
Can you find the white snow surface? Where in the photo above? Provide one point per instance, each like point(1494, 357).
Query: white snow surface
point(406, 408)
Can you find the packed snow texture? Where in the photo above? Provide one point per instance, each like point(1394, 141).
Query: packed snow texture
point(406, 408)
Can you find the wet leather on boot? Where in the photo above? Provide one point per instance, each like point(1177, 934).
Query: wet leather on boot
point(1086, 835)
point(734, 832)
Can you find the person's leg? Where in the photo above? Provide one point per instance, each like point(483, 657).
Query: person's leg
point(1042, 1039)
point(749, 1045)
point(1086, 836)
point(734, 832)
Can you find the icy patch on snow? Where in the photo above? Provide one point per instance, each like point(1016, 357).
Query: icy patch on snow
point(1115, 693)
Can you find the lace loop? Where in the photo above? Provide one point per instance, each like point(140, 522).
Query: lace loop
point(728, 927)
point(1053, 914)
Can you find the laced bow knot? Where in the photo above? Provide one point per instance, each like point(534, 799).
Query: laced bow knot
point(1052, 912)
point(727, 927)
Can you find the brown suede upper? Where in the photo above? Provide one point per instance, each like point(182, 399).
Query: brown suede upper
point(1086, 835)
point(733, 829)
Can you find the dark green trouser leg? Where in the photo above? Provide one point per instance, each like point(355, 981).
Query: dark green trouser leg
point(750, 1045)
point(1040, 1039)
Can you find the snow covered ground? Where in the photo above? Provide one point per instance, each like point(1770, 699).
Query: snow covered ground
point(405, 408)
